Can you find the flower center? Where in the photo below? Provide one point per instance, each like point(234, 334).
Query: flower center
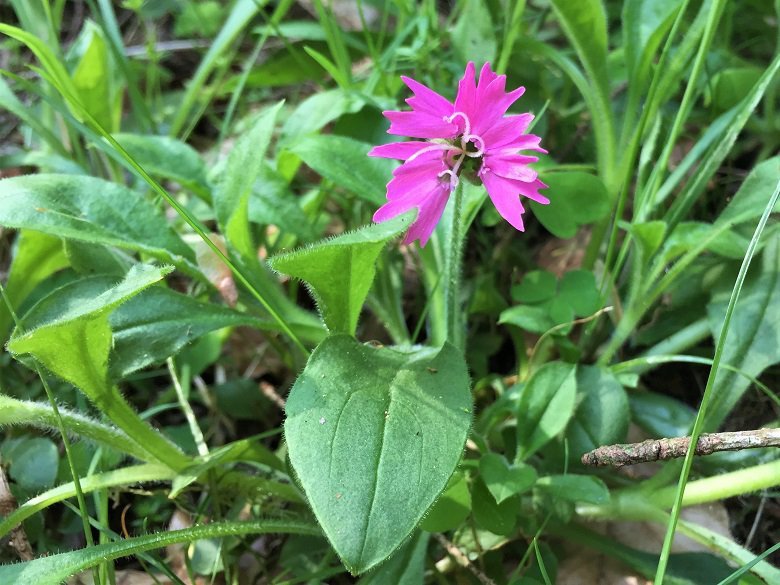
point(462, 146)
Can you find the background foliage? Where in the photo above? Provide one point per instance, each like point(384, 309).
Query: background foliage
point(174, 171)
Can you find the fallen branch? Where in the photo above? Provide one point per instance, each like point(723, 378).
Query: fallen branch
point(662, 449)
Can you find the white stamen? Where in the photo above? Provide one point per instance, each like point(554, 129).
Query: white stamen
point(466, 121)
point(475, 139)
point(431, 149)
point(454, 180)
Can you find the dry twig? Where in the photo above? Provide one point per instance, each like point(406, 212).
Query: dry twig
point(461, 559)
point(18, 540)
point(662, 449)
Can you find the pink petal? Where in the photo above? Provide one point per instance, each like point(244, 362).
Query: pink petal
point(426, 100)
point(414, 179)
point(466, 100)
point(511, 166)
point(487, 76)
point(506, 130)
point(506, 199)
point(531, 190)
point(419, 125)
point(429, 216)
point(402, 150)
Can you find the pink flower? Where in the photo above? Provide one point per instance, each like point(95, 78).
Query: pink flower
point(472, 133)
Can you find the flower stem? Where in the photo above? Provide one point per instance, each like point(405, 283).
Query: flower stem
point(455, 322)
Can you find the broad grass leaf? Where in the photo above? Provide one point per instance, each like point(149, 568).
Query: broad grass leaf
point(374, 436)
point(585, 23)
point(231, 200)
point(340, 271)
point(576, 199)
point(91, 210)
point(645, 22)
point(346, 162)
point(545, 406)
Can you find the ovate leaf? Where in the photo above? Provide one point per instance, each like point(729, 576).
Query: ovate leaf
point(575, 488)
point(505, 480)
point(374, 435)
point(576, 199)
point(452, 508)
point(546, 404)
point(602, 413)
point(340, 271)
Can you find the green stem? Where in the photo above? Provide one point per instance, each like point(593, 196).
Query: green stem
point(116, 408)
point(455, 322)
point(720, 487)
point(698, 425)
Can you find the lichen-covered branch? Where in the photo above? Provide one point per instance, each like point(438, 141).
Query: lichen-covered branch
point(662, 449)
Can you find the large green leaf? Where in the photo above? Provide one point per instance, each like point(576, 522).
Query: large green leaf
point(72, 339)
point(753, 341)
point(546, 404)
point(90, 210)
point(231, 201)
point(159, 322)
point(374, 435)
point(340, 270)
point(346, 162)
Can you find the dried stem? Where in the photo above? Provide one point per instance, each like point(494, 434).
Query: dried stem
point(461, 559)
point(662, 449)
point(18, 539)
